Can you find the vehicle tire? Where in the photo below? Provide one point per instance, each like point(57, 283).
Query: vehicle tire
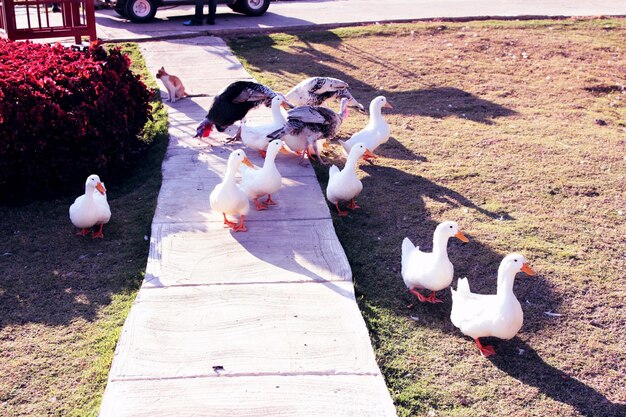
point(120, 7)
point(251, 7)
point(140, 11)
point(235, 7)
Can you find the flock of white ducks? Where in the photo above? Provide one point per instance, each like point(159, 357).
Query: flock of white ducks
point(476, 315)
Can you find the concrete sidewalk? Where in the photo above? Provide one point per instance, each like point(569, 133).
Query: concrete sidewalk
point(308, 14)
point(262, 323)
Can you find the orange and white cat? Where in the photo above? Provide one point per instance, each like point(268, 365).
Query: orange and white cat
point(173, 85)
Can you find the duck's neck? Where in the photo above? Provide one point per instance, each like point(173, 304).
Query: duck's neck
point(376, 114)
point(231, 170)
point(343, 109)
point(505, 282)
point(89, 193)
point(440, 245)
point(352, 160)
point(276, 114)
point(270, 159)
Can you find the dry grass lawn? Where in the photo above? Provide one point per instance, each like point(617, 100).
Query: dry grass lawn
point(516, 130)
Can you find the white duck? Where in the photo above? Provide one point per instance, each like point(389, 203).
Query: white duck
point(267, 180)
point(255, 137)
point(227, 197)
point(377, 130)
point(315, 91)
point(344, 185)
point(499, 315)
point(91, 208)
point(430, 270)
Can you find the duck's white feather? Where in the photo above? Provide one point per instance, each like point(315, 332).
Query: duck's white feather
point(375, 133)
point(407, 248)
point(227, 197)
point(91, 208)
point(267, 180)
point(498, 315)
point(429, 270)
point(344, 185)
point(255, 136)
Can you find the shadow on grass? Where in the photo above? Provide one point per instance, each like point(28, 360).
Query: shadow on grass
point(394, 149)
point(400, 202)
point(530, 369)
point(437, 102)
point(53, 277)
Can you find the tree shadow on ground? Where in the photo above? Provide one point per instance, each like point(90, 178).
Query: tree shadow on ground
point(53, 277)
point(523, 363)
point(436, 102)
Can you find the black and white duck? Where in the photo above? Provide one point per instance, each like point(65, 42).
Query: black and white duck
point(233, 103)
point(308, 124)
point(315, 91)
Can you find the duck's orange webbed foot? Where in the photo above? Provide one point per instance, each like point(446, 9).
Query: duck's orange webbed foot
point(353, 205)
point(486, 351)
point(228, 222)
point(430, 299)
point(433, 299)
point(269, 200)
point(419, 296)
point(83, 232)
point(340, 212)
point(240, 227)
point(259, 205)
point(98, 234)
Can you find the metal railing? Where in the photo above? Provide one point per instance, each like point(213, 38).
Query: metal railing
point(40, 19)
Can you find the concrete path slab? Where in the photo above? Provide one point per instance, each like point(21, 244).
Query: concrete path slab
point(203, 254)
point(252, 329)
point(241, 324)
point(251, 396)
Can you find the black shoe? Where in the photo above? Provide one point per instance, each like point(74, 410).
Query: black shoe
point(192, 23)
point(56, 9)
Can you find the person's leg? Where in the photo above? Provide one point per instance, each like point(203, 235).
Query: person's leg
point(212, 12)
point(197, 18)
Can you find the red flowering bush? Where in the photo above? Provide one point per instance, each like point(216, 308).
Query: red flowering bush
point(65, 114)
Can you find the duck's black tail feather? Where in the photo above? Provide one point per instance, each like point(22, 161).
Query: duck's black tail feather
point(277, 134)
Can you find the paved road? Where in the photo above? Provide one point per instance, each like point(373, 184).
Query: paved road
point(310, 13)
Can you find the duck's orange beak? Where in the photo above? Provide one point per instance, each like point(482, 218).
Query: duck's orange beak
point(100, 188)
point(388, 105)
point(528, 270)
point(461, 237)
point(368, 154)
point(284, 151)
point(247, 162)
